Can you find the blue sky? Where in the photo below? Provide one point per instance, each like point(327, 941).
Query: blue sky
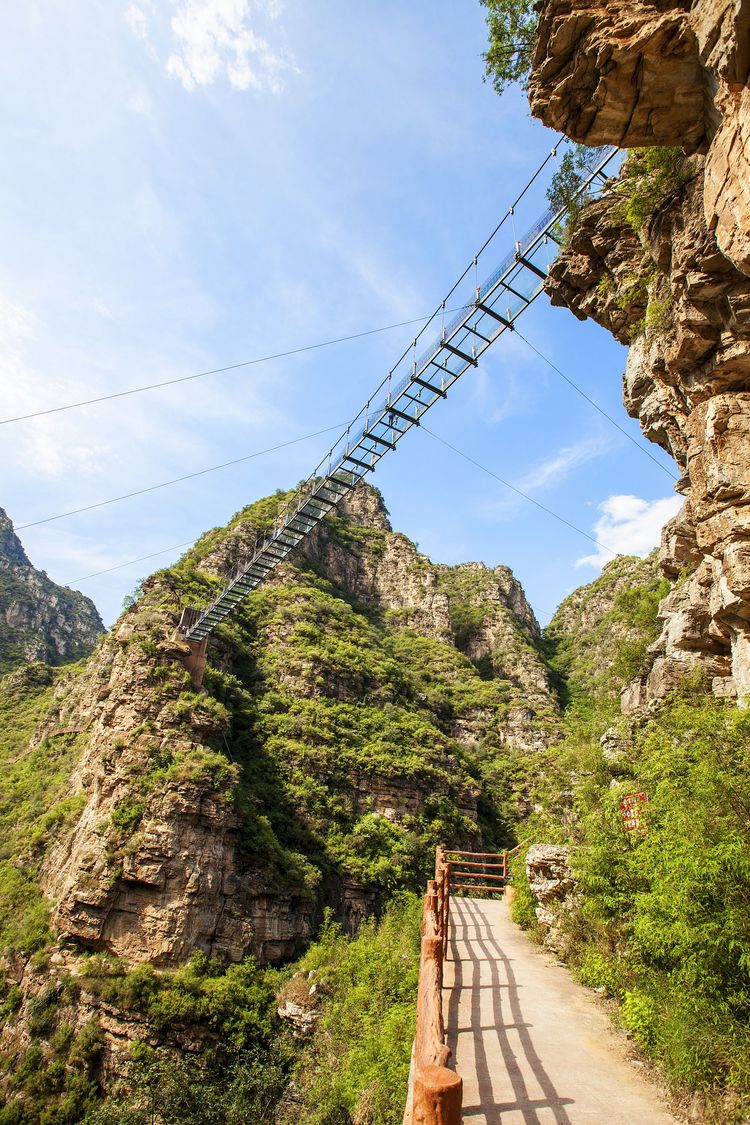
point(194, 183)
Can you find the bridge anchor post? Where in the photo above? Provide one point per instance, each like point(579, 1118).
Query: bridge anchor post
point(195, 659)
point(195, 662)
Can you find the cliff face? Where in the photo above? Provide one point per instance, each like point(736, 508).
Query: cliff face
point(668, 72)
point(671, 74)
point(598, 623)
point(355, 712)
point(39, 620)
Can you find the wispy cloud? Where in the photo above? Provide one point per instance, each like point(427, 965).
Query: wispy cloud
point(140, 102)
point(557, 468)
point(16, 327)
point(629, 525)
point(138, 18)
point(497, 399)
point(547, 474)
point(213, 39)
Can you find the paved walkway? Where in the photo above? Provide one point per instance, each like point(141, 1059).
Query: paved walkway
point(531, 1045)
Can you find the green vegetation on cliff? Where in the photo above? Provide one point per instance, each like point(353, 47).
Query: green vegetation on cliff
point(662, 916)
point(34, 804)
point(338, 742)
point(39, 620)
point(352, 1066)
point(650, 177)
point(512, 32)
point(327, 706)
point(356, 1067)
point(599, 636)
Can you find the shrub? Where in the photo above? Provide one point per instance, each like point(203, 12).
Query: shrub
point(564, 191)
point(649, 178)
point(127, 815)
point(42, 1011)
point(523, 911)
point(357, 1067)
point(639, 1016)
point(512, 32)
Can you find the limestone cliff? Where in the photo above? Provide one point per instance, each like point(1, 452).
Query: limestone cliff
point(600, 622)
point(677, 289)
point(656, 72)
point(39, 620)
point(355, 712)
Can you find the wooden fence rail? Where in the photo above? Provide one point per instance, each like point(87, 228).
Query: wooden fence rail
point(435, 1091)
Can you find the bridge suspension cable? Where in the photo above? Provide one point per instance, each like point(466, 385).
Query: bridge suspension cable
point(214, 371)
point(413, 385)
point(178, 480)
point(596, 406)
point(519, 492)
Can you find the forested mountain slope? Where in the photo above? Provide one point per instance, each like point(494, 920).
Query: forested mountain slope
point(359, 708)
point(39, 620)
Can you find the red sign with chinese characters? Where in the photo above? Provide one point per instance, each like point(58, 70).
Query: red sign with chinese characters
point(632, 808)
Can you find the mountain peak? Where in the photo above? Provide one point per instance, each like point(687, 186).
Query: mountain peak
point(39, 620)
point(12, 553)
point(365, 506)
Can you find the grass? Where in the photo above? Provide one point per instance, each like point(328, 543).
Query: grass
point(34, 805)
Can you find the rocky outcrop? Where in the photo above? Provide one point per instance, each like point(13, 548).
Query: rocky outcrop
point(552, 886)
point(665, 72)
point(483, 610)
point(678, 291)
point(592, 626)
point(39, 620)
point(377, 568)
point(357, 708)
point(299, 1004)
point(685, 381)
point(152, 876)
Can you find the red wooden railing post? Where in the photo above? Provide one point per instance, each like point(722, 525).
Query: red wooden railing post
point(436, 1091)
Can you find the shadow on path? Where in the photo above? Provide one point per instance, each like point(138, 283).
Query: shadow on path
point(480, 965)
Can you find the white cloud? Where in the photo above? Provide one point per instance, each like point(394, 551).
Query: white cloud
point(211, 39)
point(629, 526)
point(16, 327)
point(550, 473)
point(137, 20)
point(558, 467)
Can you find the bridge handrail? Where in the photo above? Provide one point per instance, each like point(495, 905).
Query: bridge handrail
point(435, 1091)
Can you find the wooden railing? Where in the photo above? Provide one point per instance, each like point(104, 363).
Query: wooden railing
point(477, 871)
point(435, 1091)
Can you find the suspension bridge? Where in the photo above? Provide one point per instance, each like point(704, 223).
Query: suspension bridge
point(422, 376)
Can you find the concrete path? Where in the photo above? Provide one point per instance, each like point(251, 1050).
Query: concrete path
point(531, 1045)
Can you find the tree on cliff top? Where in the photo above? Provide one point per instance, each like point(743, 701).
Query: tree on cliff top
point(512, 28)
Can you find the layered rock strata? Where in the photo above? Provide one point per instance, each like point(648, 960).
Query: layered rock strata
point(678, 292)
